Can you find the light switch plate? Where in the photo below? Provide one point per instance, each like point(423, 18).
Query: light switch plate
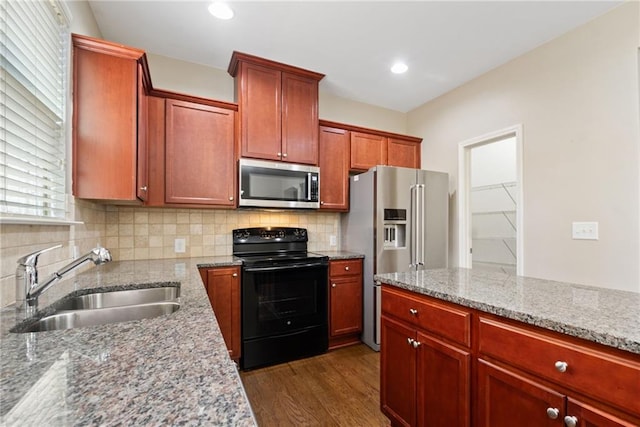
point(332, 240)
point(584, 231)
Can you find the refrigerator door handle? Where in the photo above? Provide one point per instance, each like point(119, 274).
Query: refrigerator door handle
point(413, 244)
point(421, 219)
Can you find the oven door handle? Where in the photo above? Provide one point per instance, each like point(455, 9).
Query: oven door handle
point(280, 268)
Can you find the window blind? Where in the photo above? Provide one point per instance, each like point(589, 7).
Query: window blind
point(34, 42)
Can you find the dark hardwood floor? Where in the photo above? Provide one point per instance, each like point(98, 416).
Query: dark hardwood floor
point(338, 388)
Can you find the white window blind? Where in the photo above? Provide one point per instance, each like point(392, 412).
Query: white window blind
point(34, 40)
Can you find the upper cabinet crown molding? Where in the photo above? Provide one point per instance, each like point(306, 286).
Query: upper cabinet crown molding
point(238, 57)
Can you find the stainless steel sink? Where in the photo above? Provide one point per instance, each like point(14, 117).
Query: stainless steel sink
point(103, 307)
point(99, 316)
point(119, 298)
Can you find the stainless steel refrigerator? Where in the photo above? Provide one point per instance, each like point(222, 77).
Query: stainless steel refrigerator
point(398, 219)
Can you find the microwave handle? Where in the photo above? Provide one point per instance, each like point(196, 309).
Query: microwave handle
point(309, 186)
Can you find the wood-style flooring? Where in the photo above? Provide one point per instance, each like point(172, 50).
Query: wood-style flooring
point(338, 388)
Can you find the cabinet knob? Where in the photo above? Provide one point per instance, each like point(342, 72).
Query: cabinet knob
point(410, 341)
point(347, 268)
point(561, 366)
point(333, 285)
point(570, 421)
point(284, 154)
point(416, 344)
point(413, 311)
point(231, 198)
point(279, 154)
point(553, 413)
point(321, 202)
point(234, 275)
point(145, 188)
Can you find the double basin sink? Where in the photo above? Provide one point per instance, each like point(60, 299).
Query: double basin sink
point(105, 306)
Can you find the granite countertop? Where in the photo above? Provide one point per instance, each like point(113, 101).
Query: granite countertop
point(604, 316)
point(337, 255)
point(170, 370)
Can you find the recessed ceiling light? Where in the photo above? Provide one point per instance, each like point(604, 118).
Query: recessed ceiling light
point(220, 10)
point(399, 68)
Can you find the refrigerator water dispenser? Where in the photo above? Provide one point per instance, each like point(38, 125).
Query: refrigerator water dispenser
point(395, 228)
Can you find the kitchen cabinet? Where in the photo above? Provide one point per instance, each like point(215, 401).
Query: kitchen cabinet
point(425, 361)
point(371, 147)
point(223, 289)
point(403, 153)
point(109, 121)
point(367, 151)
point(528, 375)
point(192, 151)
point(278, 109)
point(345, 302)
point(334, 169)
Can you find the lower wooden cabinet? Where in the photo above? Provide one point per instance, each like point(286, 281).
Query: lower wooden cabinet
point(345, 302)
point(223, 289)
point(436, 357)
point(425, 381)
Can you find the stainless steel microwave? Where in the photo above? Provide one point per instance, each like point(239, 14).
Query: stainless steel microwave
point(269, 184)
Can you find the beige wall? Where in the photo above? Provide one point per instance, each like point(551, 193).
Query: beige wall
point(577, 99)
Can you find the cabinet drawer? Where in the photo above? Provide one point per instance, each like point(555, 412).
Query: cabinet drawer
point(351, 267)
point(427, 314)
point(608, 377)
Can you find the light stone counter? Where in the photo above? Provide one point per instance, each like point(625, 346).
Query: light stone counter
point(170, 370)
point(600, 315)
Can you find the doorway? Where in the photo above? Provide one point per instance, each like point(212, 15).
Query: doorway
point(490, 201)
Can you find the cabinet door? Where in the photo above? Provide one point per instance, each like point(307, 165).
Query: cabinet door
point(507, 399)
point(403, 153)
point(398, 373)
point(367, 151)
point(345, 301)
point(299, 119)
point(334, 169)
point(105, 89)
point(260, 110)
point(588, 416)
point(199, 162)
point(142, 170)
point(444, 384)
point(223, 288)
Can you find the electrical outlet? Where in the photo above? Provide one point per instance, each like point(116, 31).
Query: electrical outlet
point(333, 241)
point(179, 246)
point(584, 230)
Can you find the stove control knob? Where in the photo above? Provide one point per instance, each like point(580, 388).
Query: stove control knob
point(280, 234)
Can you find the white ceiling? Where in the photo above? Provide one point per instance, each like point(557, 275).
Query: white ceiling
point(445, 43)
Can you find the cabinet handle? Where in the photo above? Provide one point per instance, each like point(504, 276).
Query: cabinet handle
point(145, 188)
point(570, 421)
point(416, 344)
point(561, 366)
point(413, 311)
point(234, 275)
point(347, 268)
point(231, 198)
point(553, 413)
point(333, 285)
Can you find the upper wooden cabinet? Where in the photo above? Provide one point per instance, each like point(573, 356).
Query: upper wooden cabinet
point(370, 147)
point(278, 109)
point(334, 169)
point(192, 151)
point(109, 120)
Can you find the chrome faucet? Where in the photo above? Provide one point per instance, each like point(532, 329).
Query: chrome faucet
point(28, 289)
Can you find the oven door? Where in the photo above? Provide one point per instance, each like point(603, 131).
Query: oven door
point(282, 299)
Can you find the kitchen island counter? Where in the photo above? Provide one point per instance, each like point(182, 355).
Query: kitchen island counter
point(603, 316)
point(169, 370)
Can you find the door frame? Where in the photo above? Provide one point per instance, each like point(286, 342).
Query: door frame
point(464, 185)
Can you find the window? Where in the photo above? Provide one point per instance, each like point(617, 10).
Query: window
point(34, 37)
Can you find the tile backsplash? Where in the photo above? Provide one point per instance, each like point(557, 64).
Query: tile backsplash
point(133, 233)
